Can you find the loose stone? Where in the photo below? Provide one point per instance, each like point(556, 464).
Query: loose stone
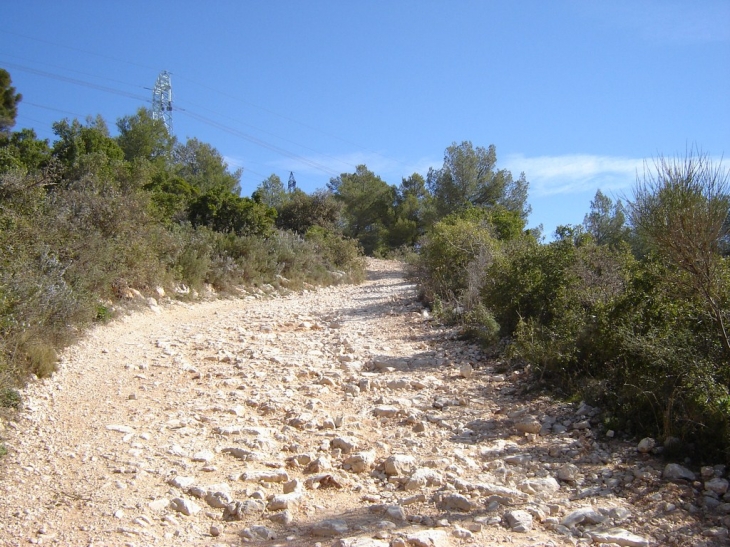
point(455, 502)
point(329, 528)
point(619, 536)
point(519, 521)
point(399, 464)
point(717, 485)
point(674, 471)
point(646, 445)
point(528, 425)
point(184, 506)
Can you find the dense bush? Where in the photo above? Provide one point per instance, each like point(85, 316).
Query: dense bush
point(301, 211)
point(452, 266)
point(635, 322)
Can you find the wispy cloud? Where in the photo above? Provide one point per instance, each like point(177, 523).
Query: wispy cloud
point(550, 175)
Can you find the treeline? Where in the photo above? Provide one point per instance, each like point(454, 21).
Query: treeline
point(89, 217)
point(384, 218)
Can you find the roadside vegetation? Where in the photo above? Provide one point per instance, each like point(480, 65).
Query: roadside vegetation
point(629, 310)
point(90, 218)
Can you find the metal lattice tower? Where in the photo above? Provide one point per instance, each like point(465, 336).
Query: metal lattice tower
point(162, 100)
point(292, 182)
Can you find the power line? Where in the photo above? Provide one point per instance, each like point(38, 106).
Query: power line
point(198, 117)
point(258, 142)
point(273, 135)
point(74, 71)
point(193, 115)
point(76, 81)
point(74, 49)
point(284, 117)
point(26, 103)
point(264, 109)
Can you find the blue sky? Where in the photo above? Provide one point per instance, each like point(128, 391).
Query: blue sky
point(576, 94)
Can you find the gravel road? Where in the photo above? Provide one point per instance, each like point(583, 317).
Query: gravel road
point(342, 416)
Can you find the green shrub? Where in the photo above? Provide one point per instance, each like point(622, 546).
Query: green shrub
point(338, 253)
point(454, 259)
point(225, 212)
point(480, 324)
point(9, 398)
point(667, 371)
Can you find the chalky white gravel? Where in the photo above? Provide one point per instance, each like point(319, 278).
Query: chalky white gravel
point(343, 412)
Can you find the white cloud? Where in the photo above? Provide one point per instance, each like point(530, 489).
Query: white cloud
point(550, 175)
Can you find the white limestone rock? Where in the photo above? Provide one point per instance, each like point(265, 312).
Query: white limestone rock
point(428, 538)
point(346, 444)
point(282, 502)
point(265, 476)
point(619, 536)
point(539, 485)
point(181, 482)
point(455, 502)
point(674, 471)
point(528, 424)
point(399, 465)
point(586, 515)
point(360, 462)
point(568, 472)
point(519, 521)
point(329, 528)
point(184, 506)
point(423, 477)
point(646, 445)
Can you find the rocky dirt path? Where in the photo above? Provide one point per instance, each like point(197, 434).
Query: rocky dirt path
point(336, 417)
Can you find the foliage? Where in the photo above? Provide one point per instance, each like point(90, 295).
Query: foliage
point(143, 137)
point(9, 100)
point(85, 149)
point(9, 398)
point(23, 150)
point(643, 335)
point(413, 212)
point(170, 196)
point(223, 211)
point(606, 221)
point(454, 258)
point(203, 167)
point(469, 178)
point(367, 207)
point(338, 253)
point(90, 216)
point(682, 208)
point(302, 211)
point(271, 192)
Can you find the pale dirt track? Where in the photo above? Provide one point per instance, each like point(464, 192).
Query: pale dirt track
point(247, 399)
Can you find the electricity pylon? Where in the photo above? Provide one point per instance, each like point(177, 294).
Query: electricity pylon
point(162, 100)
